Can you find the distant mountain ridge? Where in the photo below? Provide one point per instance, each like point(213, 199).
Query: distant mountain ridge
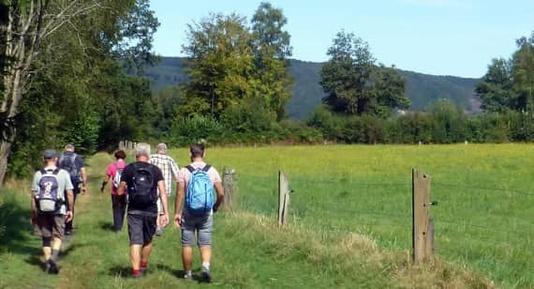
point(422, 89)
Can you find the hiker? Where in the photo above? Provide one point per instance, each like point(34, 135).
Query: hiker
point(194, 208)
point(74, 165)
point(118, 202)
point(169, 169)
point(51, 191)
point(141, 181)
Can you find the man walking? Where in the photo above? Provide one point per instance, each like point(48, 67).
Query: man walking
point(169, 169)
point(48, 207)
point(141, 181)
point(118, 202)
point(194, 208)
point(74, 165)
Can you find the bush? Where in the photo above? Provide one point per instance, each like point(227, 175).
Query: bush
point(185, 131)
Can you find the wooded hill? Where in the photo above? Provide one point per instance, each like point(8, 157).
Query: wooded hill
point(422, 89)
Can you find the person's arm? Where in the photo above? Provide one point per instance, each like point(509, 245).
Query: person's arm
point(104, 183)
point(121, 190)
point(164, 220)
point(220, 195)
point(70, 202)
point(83, 175)
point(178, 204)
point(35, 189)
point(174, 169)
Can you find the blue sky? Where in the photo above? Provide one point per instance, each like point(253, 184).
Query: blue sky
point(445, 37)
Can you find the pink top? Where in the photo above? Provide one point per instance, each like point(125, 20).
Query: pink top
point(184, 175)
point(112, 170)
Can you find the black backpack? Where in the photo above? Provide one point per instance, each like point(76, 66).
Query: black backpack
point(142, 193)
point(68, 163)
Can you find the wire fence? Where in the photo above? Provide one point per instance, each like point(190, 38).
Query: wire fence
point(466, 215)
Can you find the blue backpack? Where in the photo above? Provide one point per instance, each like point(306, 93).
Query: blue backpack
point(199, 198)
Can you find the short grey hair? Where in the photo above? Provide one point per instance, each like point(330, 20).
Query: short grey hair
point(69, 147)
point(142, 149)
point(162, 148)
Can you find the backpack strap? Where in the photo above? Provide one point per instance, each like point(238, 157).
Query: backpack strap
point(206, 168)
point(190, 169)
point(56, 171)
point(43, 171)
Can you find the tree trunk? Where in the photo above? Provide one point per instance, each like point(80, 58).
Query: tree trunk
point(5, 150)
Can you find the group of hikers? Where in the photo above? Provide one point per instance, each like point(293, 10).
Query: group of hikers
point(140, 191)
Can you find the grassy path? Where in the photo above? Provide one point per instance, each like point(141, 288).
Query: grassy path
point(250, 252)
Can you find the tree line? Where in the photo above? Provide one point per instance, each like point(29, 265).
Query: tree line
point(72, 73)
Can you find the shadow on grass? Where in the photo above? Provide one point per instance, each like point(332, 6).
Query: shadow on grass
point(179, 273)
point(15, 221)
point(121, 271)
point(107, 226)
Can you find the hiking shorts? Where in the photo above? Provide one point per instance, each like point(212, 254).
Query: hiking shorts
point(51, 226)
point(199, 226)
point(141, 228)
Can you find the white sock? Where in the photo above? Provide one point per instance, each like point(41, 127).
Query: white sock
point(206, 265)
point(188, 273)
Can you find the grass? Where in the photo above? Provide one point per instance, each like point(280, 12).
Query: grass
point(350, 223)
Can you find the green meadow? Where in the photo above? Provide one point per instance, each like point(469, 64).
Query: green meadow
point(350, 223)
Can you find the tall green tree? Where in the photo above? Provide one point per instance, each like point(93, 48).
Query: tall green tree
point(79, 91)
point(523, 74)
point(354, 84)
point(495, 89)
point(509, 84)
point(271, 44)
point(220, 65)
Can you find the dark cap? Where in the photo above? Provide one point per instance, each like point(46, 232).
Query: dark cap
point(49, 154)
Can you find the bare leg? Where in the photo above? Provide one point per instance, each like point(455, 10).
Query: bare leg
point(187, 257)
point(145, 254)
point(135, 256)
point(205, 254)
point(47, 252)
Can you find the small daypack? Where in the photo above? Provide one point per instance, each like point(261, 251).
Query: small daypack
point(142, 193)
point(117, 177)
point(48, 197)
point(68, 163)
point(199, 198)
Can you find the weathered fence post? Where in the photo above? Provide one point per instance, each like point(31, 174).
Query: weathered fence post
point(230, 188)
point(283, 198)
point(423, 227)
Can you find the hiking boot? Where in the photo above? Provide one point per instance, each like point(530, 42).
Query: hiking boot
point(51, 267)
point(205, 275)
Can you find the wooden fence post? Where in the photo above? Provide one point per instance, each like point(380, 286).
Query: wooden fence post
point(283, 198)
point(423, 227)
point(229, 184)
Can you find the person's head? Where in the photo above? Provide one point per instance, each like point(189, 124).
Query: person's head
point(120, 155)
point(69, 148)
point(197, 151)
point(161, 149)
point(142, 152)
point(50, 157)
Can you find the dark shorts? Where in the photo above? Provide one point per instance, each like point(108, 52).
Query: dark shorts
point(51, 226)
point(141, 228)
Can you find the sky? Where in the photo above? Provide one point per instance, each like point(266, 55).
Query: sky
point(441, 37)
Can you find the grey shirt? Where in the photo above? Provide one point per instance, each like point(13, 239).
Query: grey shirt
point(64, 184)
